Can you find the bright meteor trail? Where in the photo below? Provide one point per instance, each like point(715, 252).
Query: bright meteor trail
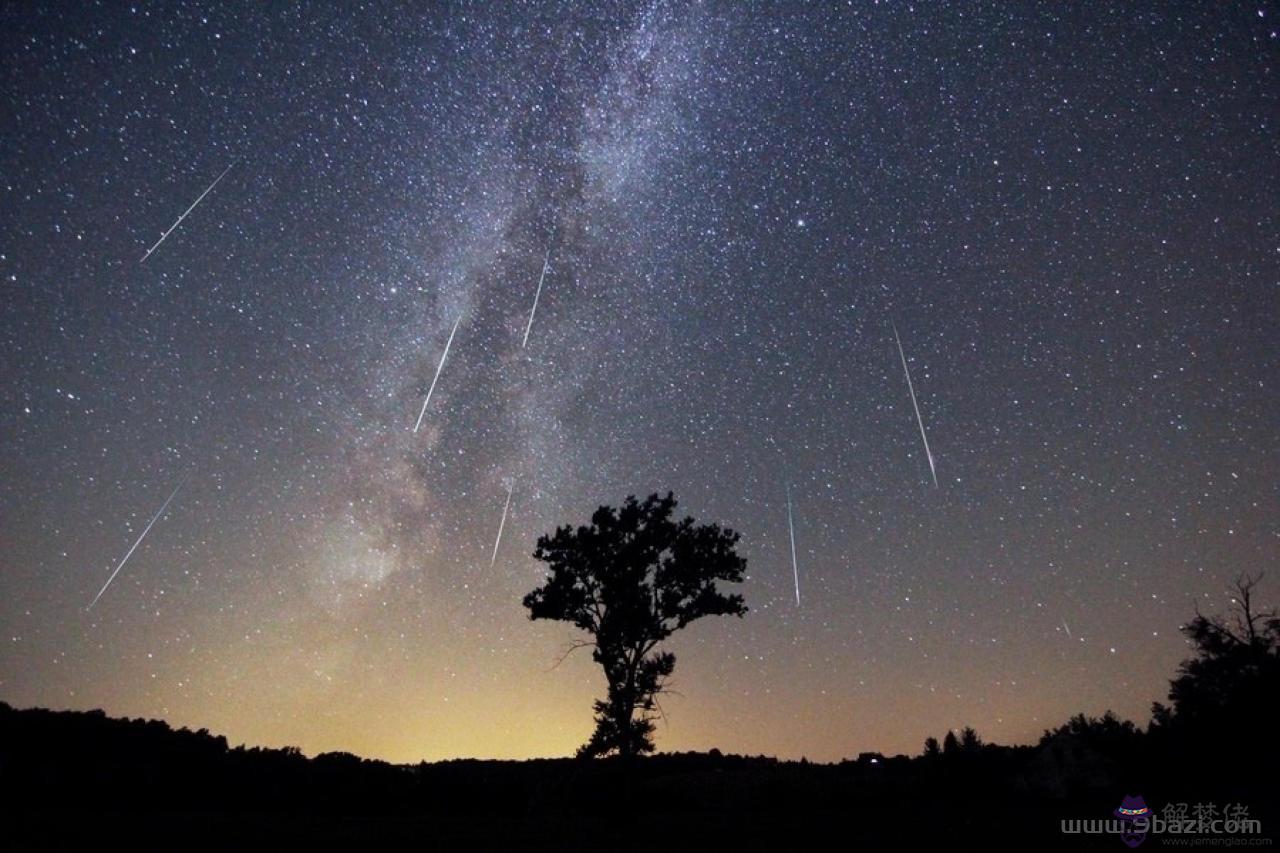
point(545, 262)
point(166, 234)
point(141, 536)
point(439, 367)
point(791, 526)
point(916, 406)
point(496, 542)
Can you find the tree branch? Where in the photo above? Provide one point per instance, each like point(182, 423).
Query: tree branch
point(573, 646)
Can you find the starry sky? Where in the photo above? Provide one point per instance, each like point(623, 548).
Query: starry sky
point(1068, 211)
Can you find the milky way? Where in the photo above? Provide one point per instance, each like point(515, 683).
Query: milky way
point(1071, 213)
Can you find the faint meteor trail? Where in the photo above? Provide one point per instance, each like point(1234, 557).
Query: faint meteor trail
point(141, 536)
point(545, 261)
point(511, 488)
point(916, 406)
point(791, 526)
point(166, 234)
point(439, 367)
point(1067, 628)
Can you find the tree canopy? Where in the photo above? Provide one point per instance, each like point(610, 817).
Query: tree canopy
point(1229, 687)
point(630, 579)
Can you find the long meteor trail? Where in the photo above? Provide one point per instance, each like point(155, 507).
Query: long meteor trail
point(141, 536)
point(545, 262)
point(439, 367)
point(511, 488)
point(791, 526)
point(919, 420)
point(166, 234)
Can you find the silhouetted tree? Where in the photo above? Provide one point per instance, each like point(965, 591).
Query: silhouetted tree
point(969, 740)
point(950, 746)
point(931, 748)
point(1095, 730)
point(630, 579)
point(1107, 735)
point(1228, 689)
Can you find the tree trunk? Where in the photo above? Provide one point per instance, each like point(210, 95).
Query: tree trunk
point(627, 748)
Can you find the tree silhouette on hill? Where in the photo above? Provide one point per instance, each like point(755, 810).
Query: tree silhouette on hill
point(630, 579)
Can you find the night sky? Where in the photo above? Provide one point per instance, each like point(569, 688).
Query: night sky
point(1069, 212)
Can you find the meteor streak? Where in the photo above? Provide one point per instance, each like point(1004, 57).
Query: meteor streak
point(791, 526)
point(511, 488)
point(166, 234)
point(919, 420)
point(1067, 628)
point(545, 262)
point(141, 536)
point(439, 367)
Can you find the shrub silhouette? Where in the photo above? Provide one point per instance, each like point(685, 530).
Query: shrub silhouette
point(630, 579)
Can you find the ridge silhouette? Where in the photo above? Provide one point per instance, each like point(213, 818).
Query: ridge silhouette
point(66, 774)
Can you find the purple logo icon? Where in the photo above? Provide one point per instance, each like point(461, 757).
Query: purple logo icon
point(1136, 816)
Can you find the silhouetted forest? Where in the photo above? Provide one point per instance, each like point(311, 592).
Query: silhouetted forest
point(71, 779)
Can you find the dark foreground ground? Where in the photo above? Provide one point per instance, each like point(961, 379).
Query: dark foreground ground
point(83, 781)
